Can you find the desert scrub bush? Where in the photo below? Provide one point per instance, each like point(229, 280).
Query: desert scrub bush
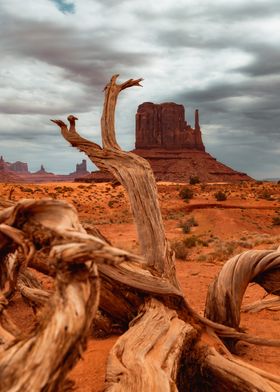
point(27, 190)
point(190, 242)
point(188, 224)
point(203, 187)
point(266, 195)
point(202, 258)
point(276, 220)
point(179, 249)
point(110, 203)
point(67, 189)
point(186, 227)
point(186, 194)
point(194, 180)
point(220, 196)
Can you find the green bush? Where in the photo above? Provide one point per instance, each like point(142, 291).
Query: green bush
point(220, 196)
point(194, 180)
point(186, 194)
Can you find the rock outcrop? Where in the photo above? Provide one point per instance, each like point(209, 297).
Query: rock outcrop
point(173, 147)
point(81, 169)
point(42, 171)
point(164, 126)
point(18, 173)
point(179, 165)
point(17, 167)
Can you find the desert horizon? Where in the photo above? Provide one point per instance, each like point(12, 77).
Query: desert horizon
point(139, 196)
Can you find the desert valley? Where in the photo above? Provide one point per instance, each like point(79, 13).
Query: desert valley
point(204, 233)
point(139, 196)
point(215, 214)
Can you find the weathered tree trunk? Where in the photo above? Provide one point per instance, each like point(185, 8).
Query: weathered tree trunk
point(225, 294)
point(40, 361)
point(166, 335)
point(167, 346)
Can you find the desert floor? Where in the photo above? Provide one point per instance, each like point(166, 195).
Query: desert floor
point(204, 233)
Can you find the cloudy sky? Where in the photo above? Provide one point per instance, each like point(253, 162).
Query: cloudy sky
point(219, 56)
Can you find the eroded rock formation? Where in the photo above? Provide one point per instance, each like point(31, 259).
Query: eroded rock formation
point(18, 167)
point(174, 149)
point(164, 126)
point(81, 169)
point(18, 172)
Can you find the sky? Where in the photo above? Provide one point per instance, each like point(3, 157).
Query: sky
point(218, 56)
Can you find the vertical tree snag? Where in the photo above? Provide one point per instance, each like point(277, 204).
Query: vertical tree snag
point(168, 346)
point(135, 174)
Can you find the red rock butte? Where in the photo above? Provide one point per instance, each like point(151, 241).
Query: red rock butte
point(164, 126)
point(18, 172)
point(174, 149)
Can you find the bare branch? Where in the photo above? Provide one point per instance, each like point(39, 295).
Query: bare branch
point(225, 294)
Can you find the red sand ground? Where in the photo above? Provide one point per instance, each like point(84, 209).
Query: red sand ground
point(244, 221)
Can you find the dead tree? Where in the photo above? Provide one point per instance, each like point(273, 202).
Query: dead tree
point(167, 345)
point(50, 231)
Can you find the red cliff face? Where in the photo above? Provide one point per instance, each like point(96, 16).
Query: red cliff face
point(173, 148)
point(164, 126)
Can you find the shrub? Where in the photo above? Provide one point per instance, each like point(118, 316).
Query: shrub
point(220, 196)
point(67, 189)
point(190, 242)
point(194, 180)
point(276, 220)
point(179, 249)
point(110, 203)
point(188, 224)
point(186, 227)
point(266, 195)
point(192, 221)
point(186, 194)
point(28, 190)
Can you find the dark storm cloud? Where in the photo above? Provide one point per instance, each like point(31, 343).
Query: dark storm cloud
point(221, 57)
point(25, 108)
point(247, 118)
point(87, 56)
point(266, 61)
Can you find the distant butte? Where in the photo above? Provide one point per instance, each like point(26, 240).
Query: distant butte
point(18, 173)
point(173, 147)
point(163, 126)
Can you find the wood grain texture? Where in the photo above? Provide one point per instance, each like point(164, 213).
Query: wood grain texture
point(225, 294)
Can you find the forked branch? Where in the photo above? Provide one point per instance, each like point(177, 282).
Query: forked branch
point(137, 177)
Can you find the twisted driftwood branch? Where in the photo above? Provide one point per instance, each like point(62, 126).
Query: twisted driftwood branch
point(135, 174)
point(225, 294)
point(41, 361)
point(267, 303)
point(149, 341)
